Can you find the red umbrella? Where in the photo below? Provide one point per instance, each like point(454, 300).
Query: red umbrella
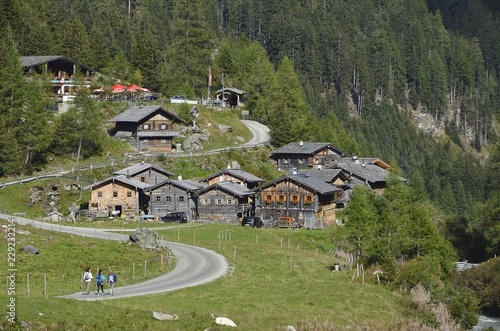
point(117, 86)
point(134, 88)
point(117, 90)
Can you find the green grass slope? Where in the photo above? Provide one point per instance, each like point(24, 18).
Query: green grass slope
point(280, 277)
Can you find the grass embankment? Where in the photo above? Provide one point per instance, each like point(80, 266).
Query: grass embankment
point(281, 277)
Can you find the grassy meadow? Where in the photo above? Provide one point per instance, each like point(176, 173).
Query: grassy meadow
point(277, 277)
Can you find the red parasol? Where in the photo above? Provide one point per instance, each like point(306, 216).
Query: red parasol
point(117, 86)
point(117, 90)
point(134, 87)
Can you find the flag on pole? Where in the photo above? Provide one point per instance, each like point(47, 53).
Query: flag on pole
point(209, 77)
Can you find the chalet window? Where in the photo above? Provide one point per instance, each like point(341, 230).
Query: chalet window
point(308, 199)
point(115, 194)
point(268, 198)
point(168, 198)
point(219, 201)
point(230, 202)
point(163, 126)
point(205, 201)
point(158, 198)
point(181, 198)
point(143, 179)
point(281, 198)
point(99, 194)
point(145, 126)
point(129, 194)
point(294, 198)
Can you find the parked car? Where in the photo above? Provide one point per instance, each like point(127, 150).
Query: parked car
point(252, 221)
point(178, 99)
point(175, 217)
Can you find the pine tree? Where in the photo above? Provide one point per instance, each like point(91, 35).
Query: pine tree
point(288, 108)
point(187, 57)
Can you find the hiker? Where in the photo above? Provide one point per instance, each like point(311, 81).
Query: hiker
point(87, 278)
point(100, 282)
point(111, 280)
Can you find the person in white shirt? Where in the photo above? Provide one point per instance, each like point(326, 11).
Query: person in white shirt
point(87, 278)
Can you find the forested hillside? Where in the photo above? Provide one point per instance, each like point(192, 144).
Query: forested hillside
point(353, 73)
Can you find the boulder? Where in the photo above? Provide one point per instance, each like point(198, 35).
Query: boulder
point(165, 316)
point(193, 142)
point(30, 250)
point(225, 128)
point(145, 238)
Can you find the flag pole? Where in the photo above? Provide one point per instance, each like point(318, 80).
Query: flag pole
point(209, 83)
point(222, 99)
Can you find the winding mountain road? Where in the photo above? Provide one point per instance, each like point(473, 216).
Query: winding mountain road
point(194, 265)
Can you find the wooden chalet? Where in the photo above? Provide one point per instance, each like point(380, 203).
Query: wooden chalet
point(239, 176)
point(303, 154)
point(305, 196)
point(369, 173)
point(65, 74)
point(232, 97)
point(118, 194)
point(174, 195)
point(225, 201)
point(145, 172)
point(148, 128)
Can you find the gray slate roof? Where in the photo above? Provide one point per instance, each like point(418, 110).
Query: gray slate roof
point(185, 184)
point(141, 167)
point(231, 89)
point(372, 160)
point(313, 183)
point(306, 148)
point(366, 171)
point(138, 113)
point(122, 179)
point(326, 175)
point(32, 61)
point(238, 173)
point(231, 187)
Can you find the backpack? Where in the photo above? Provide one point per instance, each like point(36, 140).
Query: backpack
point(100, 279)
point(86, 276)
point(111, 278)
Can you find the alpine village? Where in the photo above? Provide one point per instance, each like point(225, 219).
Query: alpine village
point(341, 157)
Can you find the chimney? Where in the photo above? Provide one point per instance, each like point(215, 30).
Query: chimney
point(179, 177)
point(301, 143)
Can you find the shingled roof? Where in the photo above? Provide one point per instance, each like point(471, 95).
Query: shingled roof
point(326, 175)
point(34, 61)
point(368, 172)
point(122, 179)
point(138, 113)
point(233, 188)
point(306, 148)
point(237, 173)
point(141, 167)
point(185, 184)
point(313, 183)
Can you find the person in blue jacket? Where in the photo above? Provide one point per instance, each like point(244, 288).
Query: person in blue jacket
point(111, 280)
